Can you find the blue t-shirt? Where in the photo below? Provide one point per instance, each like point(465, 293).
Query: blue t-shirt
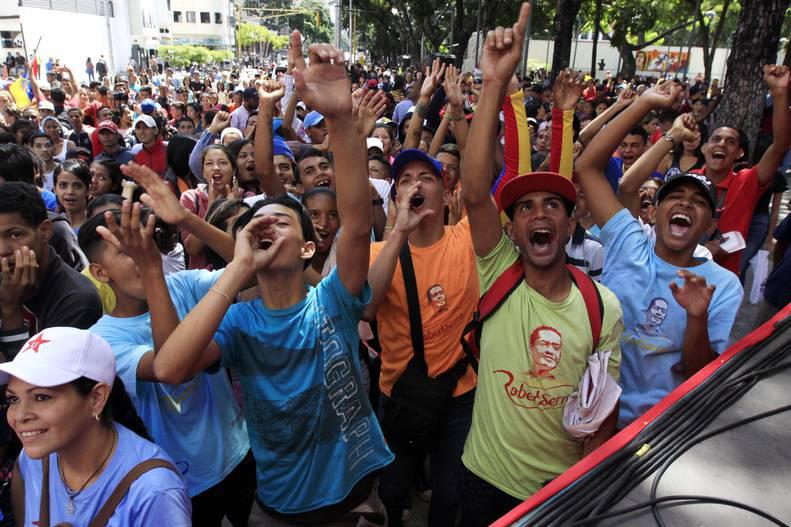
point(198, 423)
point(50, 200)
point(312, 429)
point(158, 497)
point(654, 323)
point(778, 285)
point(614, 172)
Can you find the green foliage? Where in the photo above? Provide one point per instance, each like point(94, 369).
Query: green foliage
point(250, 34)
point(219, 55)
point(314, 24)
point(181, 56)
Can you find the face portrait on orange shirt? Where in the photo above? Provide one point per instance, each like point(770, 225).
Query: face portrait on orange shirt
point(437, 298)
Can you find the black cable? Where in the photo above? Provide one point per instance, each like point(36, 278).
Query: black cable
point(685, 500)
point(635, 470)
point(700, 439)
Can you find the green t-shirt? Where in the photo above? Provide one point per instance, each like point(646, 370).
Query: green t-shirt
point(517, 439)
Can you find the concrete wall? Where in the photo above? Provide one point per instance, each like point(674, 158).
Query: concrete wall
point(73, 37)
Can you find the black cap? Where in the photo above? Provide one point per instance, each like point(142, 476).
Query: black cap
point(706, 186)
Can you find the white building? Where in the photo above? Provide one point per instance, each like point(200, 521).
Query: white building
point(208, 23)
point(69, 30)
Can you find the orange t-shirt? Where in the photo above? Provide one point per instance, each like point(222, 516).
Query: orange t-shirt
point(447, 287)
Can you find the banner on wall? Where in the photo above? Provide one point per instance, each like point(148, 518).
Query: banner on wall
point(661, 61)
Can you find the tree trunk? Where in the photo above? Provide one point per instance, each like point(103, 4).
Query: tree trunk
point(596, 26)
point(754, 44)
point(460, 37)
point(787, 60)
point(628, 63)
point(565, 20)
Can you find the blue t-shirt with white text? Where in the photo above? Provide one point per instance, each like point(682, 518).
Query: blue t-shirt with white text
point(312, 429)
point(654, 323)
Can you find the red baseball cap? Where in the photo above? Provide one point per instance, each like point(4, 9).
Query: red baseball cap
point(108, 125)
point(537, 182)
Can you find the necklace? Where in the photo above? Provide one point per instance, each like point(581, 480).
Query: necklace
point(70, 504)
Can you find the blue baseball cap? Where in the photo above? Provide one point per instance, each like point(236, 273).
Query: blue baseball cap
point(276, 124)
point(281, 148)
point(312, 119)
point(148, 106)
point(408, 156)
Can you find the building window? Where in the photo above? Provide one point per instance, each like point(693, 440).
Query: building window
point(204, 17)
point(218, 18)
point(190, 17)
point(177, 16)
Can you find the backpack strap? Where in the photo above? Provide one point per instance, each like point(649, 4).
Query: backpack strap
point(500, 290)
point(43, 506)
point(593, 302)
point(108, 509)
point(413, 306)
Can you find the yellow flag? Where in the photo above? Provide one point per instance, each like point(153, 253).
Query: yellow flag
point(18, 92)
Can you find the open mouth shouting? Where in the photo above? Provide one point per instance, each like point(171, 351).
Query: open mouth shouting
point(680, 225)
point(417, 201)
point(540, 240)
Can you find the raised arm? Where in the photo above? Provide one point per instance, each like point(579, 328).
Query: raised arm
point(430, 84)
point(190, 348)
point(164, 203)
point(381, 272)
point(625, 98)
point(777, 78)
point(325, 86)
point(684, 129)
point(566, 92)
point(591, 163)
point(135, 238)
point(452, 87)
point(502, 50)
point(268, 94)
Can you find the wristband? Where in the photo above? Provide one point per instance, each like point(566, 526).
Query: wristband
point(669, 138)
point(379, 201)
point(222, 293)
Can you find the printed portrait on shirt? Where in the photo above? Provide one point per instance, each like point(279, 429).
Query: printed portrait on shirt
point(655, 315)
point(437, 298)
point(546, 346)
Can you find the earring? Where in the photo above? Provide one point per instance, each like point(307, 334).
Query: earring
point(97, 417)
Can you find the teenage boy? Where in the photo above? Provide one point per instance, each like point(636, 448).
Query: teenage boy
point(151, 151)
point(517, 440)
point(197, 422)
point(672, 330)
point(110, 142)
point(41, 145)
point(738, 192)
point(38, 290)
point(316, 442)
point(447, 296)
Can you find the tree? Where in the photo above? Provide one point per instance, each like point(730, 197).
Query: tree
point(183, 56)
point(565, 22)
point(754, 44)
point(314, 22)
point(262, 39)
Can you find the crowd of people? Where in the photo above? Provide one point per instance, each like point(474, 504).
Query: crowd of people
point(303, 296)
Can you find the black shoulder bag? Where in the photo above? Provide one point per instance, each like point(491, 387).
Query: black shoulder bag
point(417, 402)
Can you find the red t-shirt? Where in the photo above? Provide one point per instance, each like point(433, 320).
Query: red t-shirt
point(155, 158)
point(743, 193)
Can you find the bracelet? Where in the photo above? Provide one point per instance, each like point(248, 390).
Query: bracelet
point(669, 138)
point(379, 201)
point(223, 293)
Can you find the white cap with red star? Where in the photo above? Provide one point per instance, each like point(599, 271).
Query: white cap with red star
point(58, 356)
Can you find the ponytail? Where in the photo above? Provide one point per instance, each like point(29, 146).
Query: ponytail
point(119, 406)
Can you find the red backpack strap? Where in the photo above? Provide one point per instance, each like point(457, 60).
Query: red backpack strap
point(500, 290)
point(593, 301)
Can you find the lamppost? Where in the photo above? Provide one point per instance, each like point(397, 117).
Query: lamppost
point(546, 58)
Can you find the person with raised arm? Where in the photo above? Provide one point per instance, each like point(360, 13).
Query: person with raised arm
point(534, 350)
point(316, 442)
point(672, 330)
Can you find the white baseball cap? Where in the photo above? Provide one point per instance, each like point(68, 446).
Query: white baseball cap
point(375, 142)
point(60, 355)
point(146, 120)
point(46, 105)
